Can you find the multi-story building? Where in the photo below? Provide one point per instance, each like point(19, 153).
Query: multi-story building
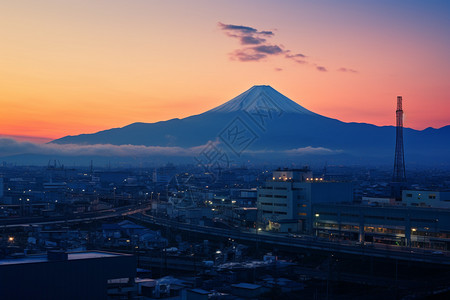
point(164, 174)
point(247, 197)
point(436, 199)
point(392, 225)
point(284, 202)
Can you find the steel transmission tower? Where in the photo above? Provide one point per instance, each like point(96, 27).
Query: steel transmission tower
point(399, 176)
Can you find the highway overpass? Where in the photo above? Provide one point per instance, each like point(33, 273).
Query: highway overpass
point(307, 242)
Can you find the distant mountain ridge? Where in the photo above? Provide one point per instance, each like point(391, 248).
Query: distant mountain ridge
point(273, 122)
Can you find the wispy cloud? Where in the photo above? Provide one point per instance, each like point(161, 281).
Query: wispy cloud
point(247, 55)
point(10, 147)
point(35, 139)
point(244, 29)
point(297, 57)
point(251, 40)
point(246, 35)
point(347, 70)
point(309, 150)
point(256, 53)
point(255, 43)
point(268, 49)
point(312, 150)
point(256, 46)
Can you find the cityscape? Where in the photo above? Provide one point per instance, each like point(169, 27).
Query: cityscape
point(129, 170)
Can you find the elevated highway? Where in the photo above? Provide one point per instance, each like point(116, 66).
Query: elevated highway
point(307, 242)
point(78, 218)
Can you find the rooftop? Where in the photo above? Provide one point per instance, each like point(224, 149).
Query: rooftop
point(244, 285)
point(70, 256)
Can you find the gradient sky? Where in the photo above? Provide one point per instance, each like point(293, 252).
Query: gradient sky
point(71, 67)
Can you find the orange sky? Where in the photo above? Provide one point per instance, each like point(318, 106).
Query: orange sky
point(71, 67)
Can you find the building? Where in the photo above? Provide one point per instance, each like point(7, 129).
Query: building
point(391, 225)
point(197, 294)
point(60, 275)
point(247, 197)
point(164, 174)
point(1, 188)
point(55, 191)
point(436, 199)
point(285, 201)
point(247, 216)
point(247, 290)
point(379, 201)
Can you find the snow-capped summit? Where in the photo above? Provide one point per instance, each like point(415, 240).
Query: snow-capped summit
point(261, 96)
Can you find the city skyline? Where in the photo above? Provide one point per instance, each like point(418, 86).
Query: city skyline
point(81, 67)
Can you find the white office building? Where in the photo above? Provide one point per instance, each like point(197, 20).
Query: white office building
point(285, 201)
point(435, 199)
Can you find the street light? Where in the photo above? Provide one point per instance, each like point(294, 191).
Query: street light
point(411, 240)
point(257, 238)
point(426, 239)
point(316, 229)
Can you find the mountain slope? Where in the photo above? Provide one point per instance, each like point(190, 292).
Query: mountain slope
point(273, 122)
point(191, 131)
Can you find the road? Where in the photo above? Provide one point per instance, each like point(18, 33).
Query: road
point(383, 251)
point(99, 215)
point(137, 213)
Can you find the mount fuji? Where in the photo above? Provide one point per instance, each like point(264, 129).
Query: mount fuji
point(263, 121)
